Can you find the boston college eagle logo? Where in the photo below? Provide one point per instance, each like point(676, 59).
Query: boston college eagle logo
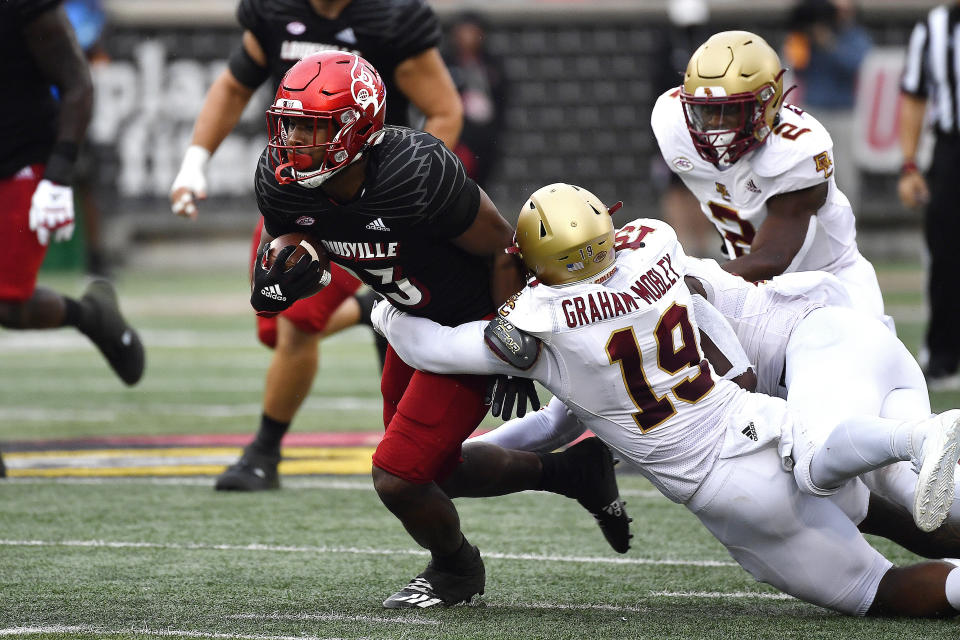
point(722, 190)
point(824, 163)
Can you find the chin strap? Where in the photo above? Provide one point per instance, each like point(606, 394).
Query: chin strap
point(298, 162)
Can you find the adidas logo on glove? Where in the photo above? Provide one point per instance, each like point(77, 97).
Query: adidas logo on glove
point(273, 291)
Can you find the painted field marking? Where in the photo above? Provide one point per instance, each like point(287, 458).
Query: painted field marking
point(140, 631)
point(288, 483)
point(332, 617)
point(199, 546)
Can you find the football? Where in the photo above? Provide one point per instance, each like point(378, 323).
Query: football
point(304, 244)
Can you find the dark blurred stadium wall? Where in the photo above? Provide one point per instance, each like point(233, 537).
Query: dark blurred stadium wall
point(579, 109)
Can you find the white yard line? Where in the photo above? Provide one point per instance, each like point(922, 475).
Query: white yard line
point(116, 410)
point(288, 483)
point(332, 617)
point(140, 631)
point(256, 547)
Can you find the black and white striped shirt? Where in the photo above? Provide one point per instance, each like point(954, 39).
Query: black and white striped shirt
point(933, 65)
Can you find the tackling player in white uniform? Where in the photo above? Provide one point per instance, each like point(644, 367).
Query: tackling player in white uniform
point(762, 170)
point(620, 348)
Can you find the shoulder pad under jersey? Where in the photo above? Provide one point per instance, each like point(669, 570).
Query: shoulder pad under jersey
point(510, 344)
point(798, 153)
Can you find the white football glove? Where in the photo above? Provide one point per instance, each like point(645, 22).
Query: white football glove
point(381, 314)
point(190, 184)
point(51, 212)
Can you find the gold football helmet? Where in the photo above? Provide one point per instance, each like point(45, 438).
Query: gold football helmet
point(732, 93)
point(565, 234)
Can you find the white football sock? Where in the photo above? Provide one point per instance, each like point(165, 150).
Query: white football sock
point(859, 445)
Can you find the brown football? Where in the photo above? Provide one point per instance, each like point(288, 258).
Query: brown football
point(304, 244)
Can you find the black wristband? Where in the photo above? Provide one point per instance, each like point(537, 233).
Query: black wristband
point(59, 168)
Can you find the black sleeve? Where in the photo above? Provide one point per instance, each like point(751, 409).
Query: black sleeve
point(456, 200)
point(914, 78)
point(415, 30)
point(245, 69)
point(250, 17)
point(27, 10)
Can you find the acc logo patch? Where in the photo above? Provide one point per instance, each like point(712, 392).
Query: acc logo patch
point(824, 163)
point(305, 221)
point(296, 28)
point(682, 164)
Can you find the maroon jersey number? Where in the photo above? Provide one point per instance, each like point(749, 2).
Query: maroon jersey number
point(622, 348)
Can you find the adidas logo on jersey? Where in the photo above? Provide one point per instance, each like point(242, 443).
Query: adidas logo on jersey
point(273, 291)
point(377, 225)
point(750, 431)
point(752, 186)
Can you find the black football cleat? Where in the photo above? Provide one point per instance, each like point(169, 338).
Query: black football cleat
point(254, 471)
point(597, 491)
point(440, 588)
point(3, 468)
point(106, 327)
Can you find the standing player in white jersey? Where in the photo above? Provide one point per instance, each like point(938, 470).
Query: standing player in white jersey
point(612, 335)
point(762, 170)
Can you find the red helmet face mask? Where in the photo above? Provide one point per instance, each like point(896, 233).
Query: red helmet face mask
point(330, 106)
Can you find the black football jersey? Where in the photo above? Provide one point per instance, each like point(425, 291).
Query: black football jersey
point(28, 110)
point(385, 32)
point(395, 235)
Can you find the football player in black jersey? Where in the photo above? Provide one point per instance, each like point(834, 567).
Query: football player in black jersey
point(395, 207)
point(40, 137)
point(400, 37)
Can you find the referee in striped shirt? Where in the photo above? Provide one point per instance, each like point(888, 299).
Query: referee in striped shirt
point(932, 76)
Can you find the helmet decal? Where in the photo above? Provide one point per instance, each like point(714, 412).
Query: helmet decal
point(363, 88)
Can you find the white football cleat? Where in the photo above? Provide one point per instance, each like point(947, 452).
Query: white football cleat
point(936, 465)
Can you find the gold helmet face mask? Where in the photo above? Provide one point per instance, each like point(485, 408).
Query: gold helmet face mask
point(731, 95)
point(565, 235)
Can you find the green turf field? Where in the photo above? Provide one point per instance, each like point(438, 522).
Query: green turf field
point(144, 557)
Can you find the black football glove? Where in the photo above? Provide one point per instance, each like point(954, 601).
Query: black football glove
point(275, 289)
point(505, 391)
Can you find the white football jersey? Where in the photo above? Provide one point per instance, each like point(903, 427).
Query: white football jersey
point(764, 314)
point(796, 155)
point(632, 368)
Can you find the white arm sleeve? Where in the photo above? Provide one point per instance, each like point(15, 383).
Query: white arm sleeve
point(429, 346)
point(716, 327)
point(540, 431)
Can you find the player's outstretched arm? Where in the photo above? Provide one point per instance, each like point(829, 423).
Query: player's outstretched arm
point(425, 80)
point(539, 431)
point(53, 45)
point(224, 104)
point(489, 236)
point(781, 236)
point(429, 346)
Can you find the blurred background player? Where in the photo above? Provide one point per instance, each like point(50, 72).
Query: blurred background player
point(824, 50)
point(689, 27)
point(89, 20)
point(482, 83)
point(763, 171)
point(39, 139)
point(400, 38)
point(931, 76)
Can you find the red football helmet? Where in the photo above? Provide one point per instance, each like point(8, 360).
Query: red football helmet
point(329, 107)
